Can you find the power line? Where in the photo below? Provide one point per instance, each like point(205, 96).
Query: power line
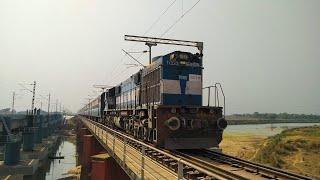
point(116, 69)
point(115, 75)
point(172, 25)
point(152, 25)
point(133, 58)
point(158, 19)
point(147, 31)
point(183, 14)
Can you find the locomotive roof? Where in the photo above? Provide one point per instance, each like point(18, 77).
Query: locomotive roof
point(174, 52)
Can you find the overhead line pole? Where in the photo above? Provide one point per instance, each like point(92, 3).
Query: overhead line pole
point(13, 99)
point(56, 105)
point(33, 97)
point(49, 105)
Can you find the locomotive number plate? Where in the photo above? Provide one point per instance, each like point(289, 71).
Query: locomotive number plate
point(194, 77)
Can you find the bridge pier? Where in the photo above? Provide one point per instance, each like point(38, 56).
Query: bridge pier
point(81, 132)
point(90, 147)
point(12, 152)
point(104, 166)
point(37, 138)
point(94, 158)
point(28, 143)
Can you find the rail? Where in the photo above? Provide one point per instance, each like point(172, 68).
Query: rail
point(258, 168)
point(233, 167)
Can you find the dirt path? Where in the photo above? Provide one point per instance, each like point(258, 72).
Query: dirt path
point(241, 145)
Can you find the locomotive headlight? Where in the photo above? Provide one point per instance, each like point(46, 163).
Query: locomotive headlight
point(172, 57)
point(173, 123)
point(222, 123)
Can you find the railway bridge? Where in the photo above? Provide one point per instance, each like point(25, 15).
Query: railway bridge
point(109, 154)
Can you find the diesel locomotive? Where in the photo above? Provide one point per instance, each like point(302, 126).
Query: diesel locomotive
point(162, 104)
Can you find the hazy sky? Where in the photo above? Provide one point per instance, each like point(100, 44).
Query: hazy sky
point(265, 53)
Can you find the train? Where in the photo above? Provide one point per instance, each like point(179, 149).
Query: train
point(162, 104)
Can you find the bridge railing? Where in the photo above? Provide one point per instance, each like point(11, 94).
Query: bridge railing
point(109, 137)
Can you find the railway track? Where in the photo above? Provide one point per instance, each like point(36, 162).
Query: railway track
point(243, 168)
point(215, 165)
point(206, 164)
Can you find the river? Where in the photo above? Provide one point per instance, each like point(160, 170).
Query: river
point(57, 168)
point(60, 167)
point(263, 129)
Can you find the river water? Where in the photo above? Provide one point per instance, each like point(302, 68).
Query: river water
point(60, 167)
point(57, 168)
point(263, 129)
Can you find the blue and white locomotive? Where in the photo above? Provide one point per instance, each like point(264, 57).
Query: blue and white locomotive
point(162, 104)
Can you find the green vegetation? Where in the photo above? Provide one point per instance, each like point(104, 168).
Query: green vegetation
point(264, 118)
point(294, 149)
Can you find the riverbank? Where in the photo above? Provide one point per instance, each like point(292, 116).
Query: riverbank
point(295, 149)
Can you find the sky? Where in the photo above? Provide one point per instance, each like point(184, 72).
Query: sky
point(265, 53)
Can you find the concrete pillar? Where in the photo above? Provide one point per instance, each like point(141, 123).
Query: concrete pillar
point(37, 138)
point(87, 149)
point(28, 141)
point(40, 127)
point(80, 134)
point(44, 131)
point(90, 147)
point(83, 131)
point(99, 170)
point(104, 167)
point(50, 128)
point(12, 153)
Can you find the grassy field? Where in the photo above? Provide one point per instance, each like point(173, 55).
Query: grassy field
point(297, 150)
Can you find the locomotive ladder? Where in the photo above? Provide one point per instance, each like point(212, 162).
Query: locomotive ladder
point(217, 89)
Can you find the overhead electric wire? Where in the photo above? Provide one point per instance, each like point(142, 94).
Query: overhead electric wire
point(133, 58)
point(170, 27)
point(116, 69)
point(158, 19)
point(149, 29)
